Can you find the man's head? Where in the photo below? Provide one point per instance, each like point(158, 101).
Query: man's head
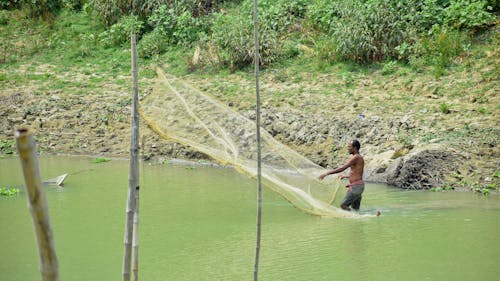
point(354, 146)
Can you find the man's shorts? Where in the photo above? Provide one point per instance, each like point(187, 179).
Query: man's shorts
point(353, 196)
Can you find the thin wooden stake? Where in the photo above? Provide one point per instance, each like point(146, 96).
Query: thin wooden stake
point(135, 243)
point(133, 180)
point(37, 203)
point(259, 149)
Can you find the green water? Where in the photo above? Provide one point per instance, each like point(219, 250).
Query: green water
point(199, 224)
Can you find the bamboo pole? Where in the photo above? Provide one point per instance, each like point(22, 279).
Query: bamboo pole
point(37, 204)
point(133, 181)
point(135, 243)
point(259, 153)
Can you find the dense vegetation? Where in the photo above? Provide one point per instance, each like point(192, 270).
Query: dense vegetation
point(220, 33)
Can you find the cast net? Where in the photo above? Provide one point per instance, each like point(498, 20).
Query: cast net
point(176, 110)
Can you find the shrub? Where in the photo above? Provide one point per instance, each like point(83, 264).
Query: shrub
point(364, 31)
point(10, 4)
point(389, 68)
point(76, 5)
point(111, 11)
point(152, 44)
point(120, 32)
point(277, 15)
point(429, 14)
point(87, 43)
point(177, 25)
point(324, 49)
point(4, 17)
point(45, 9)
point(440, 48)
point(7, 146)
point(234, 34)
point(107, 10)
point(322, 14)
point(468, 14)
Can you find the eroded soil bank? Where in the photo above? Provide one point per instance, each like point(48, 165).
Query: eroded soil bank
point(98, 124)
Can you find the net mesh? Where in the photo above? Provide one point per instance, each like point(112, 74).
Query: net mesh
point(176, 110)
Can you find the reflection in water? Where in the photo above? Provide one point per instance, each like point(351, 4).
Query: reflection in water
point(198, 223)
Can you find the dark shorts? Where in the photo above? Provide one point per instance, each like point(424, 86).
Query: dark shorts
point(353, 197)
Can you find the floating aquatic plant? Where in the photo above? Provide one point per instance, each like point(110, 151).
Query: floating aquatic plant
point(8, 191)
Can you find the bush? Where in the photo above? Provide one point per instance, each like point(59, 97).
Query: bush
point(440, 48)
point(234, 34)
point(120, 32)
point(324, 49)
point(322, 14)
point(177, 25)
point(4, 17)
point(372, 30)
point(430, 13)
point(277, 15)
point(389, 68)
point(469, 14)
point(75, 5)
point(152, 44)
point(45, 9)
point(10, 4)
point(7, 146)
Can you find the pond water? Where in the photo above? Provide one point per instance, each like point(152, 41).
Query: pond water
point(199, 223)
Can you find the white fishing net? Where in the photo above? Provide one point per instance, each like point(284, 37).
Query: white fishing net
point(178, 111)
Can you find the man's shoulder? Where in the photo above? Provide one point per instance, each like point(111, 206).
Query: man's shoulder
point(358, 157)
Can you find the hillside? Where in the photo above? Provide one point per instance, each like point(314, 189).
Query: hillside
point(417, 129)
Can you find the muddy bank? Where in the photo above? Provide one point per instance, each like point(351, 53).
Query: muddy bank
point(404, 164)
point(72, 124)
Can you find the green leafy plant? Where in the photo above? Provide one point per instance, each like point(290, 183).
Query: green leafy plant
point(389, 68)
point(177, 25)
point(119, 33)
point(9, 191)
point(10, 4)
point(440, 49)
point(234, 35)
point(100, 160)
point(46, 9)
point(444, 108)
point(7, 146)
point(430, 14)
point(492, 186)
point(468, 14)
point(365, 31)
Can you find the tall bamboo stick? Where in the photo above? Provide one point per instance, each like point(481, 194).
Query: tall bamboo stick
point(37, 203)
point(135, 243)
point(259, 153)
point(133, 180)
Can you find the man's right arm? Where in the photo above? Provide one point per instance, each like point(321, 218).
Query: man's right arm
point(339, 169)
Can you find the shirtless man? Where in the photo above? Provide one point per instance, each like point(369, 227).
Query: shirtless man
point(356, 184)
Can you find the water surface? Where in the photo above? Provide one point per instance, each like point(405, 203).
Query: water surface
point(198, 223)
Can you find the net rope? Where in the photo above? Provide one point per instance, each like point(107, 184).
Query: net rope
point(176, 110)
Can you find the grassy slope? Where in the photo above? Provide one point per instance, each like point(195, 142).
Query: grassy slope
point(63, 64)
